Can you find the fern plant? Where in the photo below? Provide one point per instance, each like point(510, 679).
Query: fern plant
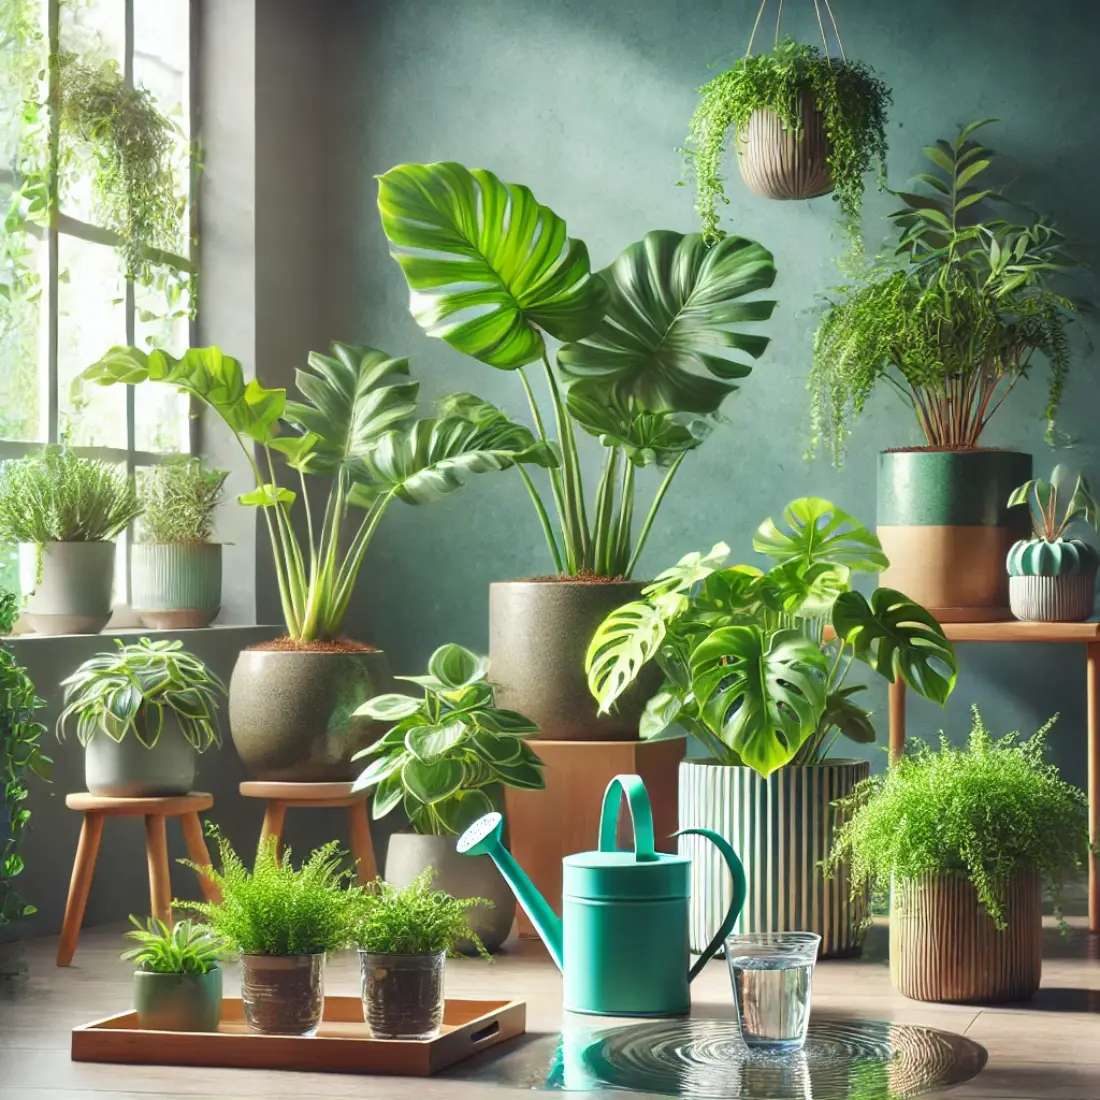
point(180, 497)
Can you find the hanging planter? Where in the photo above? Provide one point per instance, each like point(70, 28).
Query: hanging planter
point(804, 124)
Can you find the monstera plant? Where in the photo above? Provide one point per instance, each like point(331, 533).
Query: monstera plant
point(756, 669)
point(648, 350)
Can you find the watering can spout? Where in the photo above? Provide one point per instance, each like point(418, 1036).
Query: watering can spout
point(483, 838)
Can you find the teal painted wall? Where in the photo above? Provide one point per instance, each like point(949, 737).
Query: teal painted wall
point(586, 103)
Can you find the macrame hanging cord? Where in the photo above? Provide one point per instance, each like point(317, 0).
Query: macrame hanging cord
point(820, 23)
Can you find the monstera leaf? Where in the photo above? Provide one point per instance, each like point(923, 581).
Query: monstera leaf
point(665, 340)
point(850, 718)
point(807, 591)
point(354, 396)
point(898, 637)
point(488, 268)
point(819, 531)
point(688, 571)
point(204, 373)
point(763, 694)
point(622, 644)
point(434, 457)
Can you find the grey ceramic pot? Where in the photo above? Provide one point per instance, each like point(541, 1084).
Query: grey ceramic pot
point(67, 586)
point(127, 769)
point(178, 1002)
point(462, 876)
point(176, 585)
point(291, 713)
point(538, 637)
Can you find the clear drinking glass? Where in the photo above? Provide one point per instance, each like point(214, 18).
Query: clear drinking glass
point(772, 975)
point(403, 994)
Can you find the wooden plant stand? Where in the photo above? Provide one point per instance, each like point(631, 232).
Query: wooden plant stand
point(96, 809)
point(281, 796)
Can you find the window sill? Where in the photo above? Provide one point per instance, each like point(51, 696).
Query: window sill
point(248, 634)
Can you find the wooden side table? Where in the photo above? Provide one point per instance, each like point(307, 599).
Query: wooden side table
point(96, 809)
point(281, 796)
point(1086, 634)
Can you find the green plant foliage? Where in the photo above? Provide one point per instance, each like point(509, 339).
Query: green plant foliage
point(179, 499)
point(276, 908)
point(21, 757)
point(57, 496)
point(748, 671)
point(128, 691)
point(986, 812)
point(1053, 505)
point(355, 427)
point(415, 919)
point(953, 320)
point(450, 751)
point(185, 948)
point(850, 97)
point(649, 346)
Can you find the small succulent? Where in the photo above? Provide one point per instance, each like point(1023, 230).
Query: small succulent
point(1054, 506)
point(185, 948)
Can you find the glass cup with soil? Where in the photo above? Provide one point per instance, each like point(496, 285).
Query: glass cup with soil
point(403, 994)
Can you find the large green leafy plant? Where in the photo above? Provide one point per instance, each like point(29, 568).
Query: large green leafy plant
point(448, 751)
point(953, 321)
point(356, 426)
point(756, 663)
point(649, 351)
point(986, 812)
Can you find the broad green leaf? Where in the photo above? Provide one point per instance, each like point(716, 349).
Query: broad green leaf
point(430, 741)
point(818, 531)
point(940, 159)
point(969, 172)
point(727, 597)
point(629, 637)
point(966, 131)
point(434, 781)
point(970, 200)
point(763, 694)
point(378, 769)
point(688, 571)
point(666, 339)
point(497, 751)
point(461, 811)
point(387, 796)
point(660, 715)
point(1082, 504)
point(524, 776)
point(268, 496)
point(391, 707)
point(457, 667)
point(897, 637)
point(807, 591)
point(848, 717)
point(505, 723)
point(489, 269)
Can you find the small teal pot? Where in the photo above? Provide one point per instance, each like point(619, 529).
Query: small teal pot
point(176, 585)
point(178, 1002)
point(1052, 581)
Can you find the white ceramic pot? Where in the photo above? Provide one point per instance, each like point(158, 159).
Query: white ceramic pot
point(67, 586)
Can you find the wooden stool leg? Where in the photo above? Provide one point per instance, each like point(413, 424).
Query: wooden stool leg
point(83, 868)
point(274, 816)
point(362, 849)
point(197, 850)
point(160, 883)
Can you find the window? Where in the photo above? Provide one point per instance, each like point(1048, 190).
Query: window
point(70, 286)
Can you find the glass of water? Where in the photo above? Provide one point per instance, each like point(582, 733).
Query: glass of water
point(772, 974)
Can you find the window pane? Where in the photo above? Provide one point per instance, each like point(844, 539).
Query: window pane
point(162, 321)
point(22, 339)
point(95, 29)
point(92, 318)
point(161, 54)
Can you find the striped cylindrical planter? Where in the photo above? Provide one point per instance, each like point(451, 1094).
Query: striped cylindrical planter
point(1065, 599)
point(945, 947)
point(176, 585)
point(782, 827)
point(778, 163)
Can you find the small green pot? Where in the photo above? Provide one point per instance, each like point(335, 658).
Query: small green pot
point(176, 585)
point(178, 1002)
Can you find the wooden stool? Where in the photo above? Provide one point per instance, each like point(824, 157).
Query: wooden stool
point(95, 808)
point(281, 796)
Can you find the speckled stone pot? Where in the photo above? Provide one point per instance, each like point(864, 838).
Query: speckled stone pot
point(538, 636)
point(290, 714)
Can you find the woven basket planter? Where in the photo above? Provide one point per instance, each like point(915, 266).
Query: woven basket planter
point(944, 946)
point(777, 163)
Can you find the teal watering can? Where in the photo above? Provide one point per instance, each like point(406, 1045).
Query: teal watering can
point(622, 940)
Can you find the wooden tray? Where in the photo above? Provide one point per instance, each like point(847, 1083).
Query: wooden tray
point(342, 1043)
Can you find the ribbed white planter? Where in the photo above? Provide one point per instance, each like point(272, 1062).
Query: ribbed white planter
point(1064, 599)
point(782, 827)
point(67, 586)
point(176, 585)
point(777, 163)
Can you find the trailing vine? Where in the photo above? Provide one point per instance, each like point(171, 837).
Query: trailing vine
point(850, 97)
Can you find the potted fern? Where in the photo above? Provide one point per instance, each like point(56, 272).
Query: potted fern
point(282, 921)
point(65, 512)
point(1052, 578)
point(964, 840)
point(444, 761)
point(175, 570)
point(404, 935)
point(177, 980)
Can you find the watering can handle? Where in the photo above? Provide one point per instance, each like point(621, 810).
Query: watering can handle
point(641, 816)
point(740, 889)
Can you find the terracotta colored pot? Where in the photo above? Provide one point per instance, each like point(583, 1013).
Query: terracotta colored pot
point(538, 637)
point(176, 585)
point(777, 163)
point(290, 713)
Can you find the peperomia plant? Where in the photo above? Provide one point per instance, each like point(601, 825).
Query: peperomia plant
point(449, 750)
point(756, 664)
point(1053, 505)
point(649, 356)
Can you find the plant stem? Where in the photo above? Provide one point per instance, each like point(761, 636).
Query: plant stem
point(652, 514)
point(572, 488)
point(556, 478)
point(544, 519)
point(605, 505)
point(349, 570)
point(626, 517)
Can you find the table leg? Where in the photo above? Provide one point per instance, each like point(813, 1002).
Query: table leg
point(897, 720)
point(1093, 677)
point(191, 827)
point(362, 850)
point(83, 868)
point(274, 816)
point(160, 882)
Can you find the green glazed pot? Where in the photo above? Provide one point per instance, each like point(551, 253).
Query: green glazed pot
point(178, 1002)
point(1040, 558)
point(176, 585)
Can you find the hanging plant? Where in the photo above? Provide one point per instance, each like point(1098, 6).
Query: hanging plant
point(133, 147)
point(805, 123)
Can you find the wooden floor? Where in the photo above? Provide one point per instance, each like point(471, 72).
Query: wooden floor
point(1049, 1049)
